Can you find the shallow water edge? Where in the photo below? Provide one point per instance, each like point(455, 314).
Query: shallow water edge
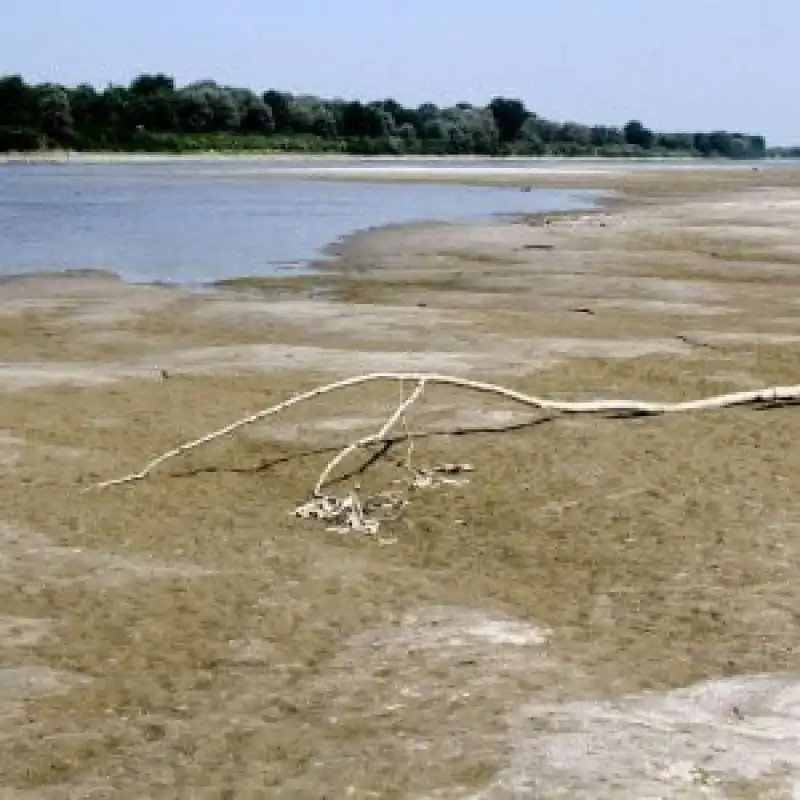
point(195, 226)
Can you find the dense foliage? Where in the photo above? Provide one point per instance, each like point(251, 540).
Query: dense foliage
point(155, 115)
point(784, 152)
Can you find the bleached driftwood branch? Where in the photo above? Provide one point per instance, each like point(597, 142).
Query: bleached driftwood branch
point(776, 394)
point(350, 509)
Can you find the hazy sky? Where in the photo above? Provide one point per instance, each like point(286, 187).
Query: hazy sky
point(679, 64)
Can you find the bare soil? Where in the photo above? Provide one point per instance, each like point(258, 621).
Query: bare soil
point(609, 608)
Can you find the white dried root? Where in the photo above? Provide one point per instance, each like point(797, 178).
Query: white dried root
point(346, 513)
point(441, 475)
point(350, 514)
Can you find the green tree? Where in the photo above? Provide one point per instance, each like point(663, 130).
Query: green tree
point(18, 103)
point(256, 116)
point(152, 84)
point(636, 134)
point(55, 113)
point(360, 120)
point(574, 133)
point(278, 102)
point(152, 103)
point(310, 114)
point(606, 136)
point(509, 115)
point(206, 106)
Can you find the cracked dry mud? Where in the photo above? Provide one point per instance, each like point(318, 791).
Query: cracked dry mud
point(609, 609)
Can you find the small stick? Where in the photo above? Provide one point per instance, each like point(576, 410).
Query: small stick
point(375, 438)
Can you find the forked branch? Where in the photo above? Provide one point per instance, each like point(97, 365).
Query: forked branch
point(777, 394)
point(375, 438)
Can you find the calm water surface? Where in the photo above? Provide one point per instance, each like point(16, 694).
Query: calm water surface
point(193, 224)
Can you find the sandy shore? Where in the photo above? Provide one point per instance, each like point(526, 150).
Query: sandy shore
point(607, 608)
point(393, 167)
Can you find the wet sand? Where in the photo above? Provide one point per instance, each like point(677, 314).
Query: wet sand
point(601, 604)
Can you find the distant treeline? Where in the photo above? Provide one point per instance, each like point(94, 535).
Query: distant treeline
point(784, 152)
point(154, 115)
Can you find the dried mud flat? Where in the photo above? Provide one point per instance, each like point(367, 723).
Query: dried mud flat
point(609, 608)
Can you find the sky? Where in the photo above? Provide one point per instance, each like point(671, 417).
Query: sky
point(674, 65)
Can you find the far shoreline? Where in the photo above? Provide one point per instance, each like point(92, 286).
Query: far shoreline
point(132, 157)
point(523, 172)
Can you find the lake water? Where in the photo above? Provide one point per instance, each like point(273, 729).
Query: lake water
point(196, 222)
